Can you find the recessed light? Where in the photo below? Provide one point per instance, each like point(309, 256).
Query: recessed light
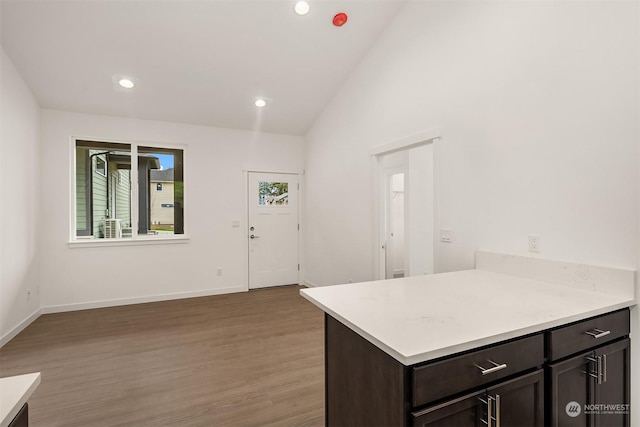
point(126, 83)
point(260, 102)
point(301, 7)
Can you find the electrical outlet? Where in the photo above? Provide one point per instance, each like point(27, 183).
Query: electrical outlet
point(534, 243)
point(219, 272)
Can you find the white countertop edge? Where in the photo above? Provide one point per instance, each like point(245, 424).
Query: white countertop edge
point(408, 360)
point(16, 390)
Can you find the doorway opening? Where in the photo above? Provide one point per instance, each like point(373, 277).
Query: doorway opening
point(406, 210)
point(396, 222)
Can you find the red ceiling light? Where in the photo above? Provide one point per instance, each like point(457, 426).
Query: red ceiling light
point(340, 19)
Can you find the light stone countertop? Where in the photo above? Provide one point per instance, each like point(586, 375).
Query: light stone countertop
point(14, 393)
point(421, 318)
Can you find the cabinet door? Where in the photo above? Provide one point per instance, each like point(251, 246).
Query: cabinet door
point(571, 388)
point(519, 402)
point(467, 411)
point(612, 392)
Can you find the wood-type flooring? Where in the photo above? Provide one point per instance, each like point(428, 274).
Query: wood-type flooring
point(245, 359)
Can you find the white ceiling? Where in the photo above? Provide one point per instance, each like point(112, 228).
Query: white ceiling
point(199, 62)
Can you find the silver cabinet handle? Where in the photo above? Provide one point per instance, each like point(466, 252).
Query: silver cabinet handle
point(253, 236)
point(598, 333)
point(604, 367)
point(490, 416)
point(496, 367)
point(598, 374)
point(599, 370)
point(497, 410)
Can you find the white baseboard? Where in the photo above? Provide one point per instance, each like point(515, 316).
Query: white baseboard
point(20, 327)
point(139, 300)
point(309, 284)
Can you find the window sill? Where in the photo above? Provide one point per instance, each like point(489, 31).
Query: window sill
point(140, 241)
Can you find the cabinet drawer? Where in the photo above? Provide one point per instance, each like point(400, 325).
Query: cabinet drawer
point(461, 373)
point(587, 334)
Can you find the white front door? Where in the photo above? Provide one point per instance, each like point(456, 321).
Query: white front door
point(273, 229)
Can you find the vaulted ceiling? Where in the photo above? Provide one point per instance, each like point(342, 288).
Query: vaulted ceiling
point(198, 62)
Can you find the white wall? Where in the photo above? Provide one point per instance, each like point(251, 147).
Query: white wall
point(537, 102)
point(420, 211)
point(215, 196)
point(19, 202)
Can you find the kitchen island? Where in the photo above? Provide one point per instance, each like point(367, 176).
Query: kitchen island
point(403, 351)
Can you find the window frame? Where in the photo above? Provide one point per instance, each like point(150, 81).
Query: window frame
point(76, 240)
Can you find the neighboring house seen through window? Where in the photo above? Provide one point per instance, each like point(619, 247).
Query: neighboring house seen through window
point(106, 197)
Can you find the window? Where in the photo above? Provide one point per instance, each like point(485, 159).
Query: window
point(101, 166)
point(110, 203)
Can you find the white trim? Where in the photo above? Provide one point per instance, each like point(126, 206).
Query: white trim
point(141, 241)
point(286, 172)
point(411, 141)
point(139, 300)
point(245, 245)
point(134, 199)
point(20, 327)
point(436, 205)
point(310, 284)
point(72, 189)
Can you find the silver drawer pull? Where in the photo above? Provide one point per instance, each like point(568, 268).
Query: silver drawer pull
point(496, 367)
point(598, 333)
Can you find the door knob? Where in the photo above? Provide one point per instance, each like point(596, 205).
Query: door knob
point(253, 237)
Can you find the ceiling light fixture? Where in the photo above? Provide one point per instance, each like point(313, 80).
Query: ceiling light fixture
point(260, 102)
point(302, 7)
point(126, 83)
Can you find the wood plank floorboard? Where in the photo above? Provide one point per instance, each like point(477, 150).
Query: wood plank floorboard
point(246, 359)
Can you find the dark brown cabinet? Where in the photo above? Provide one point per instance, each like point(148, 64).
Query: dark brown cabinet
point(590, 388)
point(22, 418)
point(515, 403)
point(367, 387)
point(468, 410)
point(573, 375)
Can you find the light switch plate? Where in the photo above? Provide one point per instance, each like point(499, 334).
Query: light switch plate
point(446, 235)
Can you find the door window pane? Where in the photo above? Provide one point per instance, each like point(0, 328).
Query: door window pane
point(273, 193)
